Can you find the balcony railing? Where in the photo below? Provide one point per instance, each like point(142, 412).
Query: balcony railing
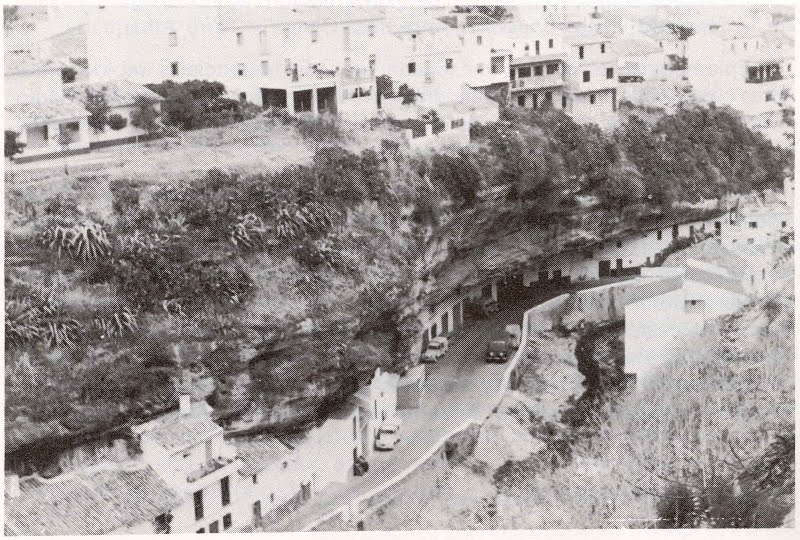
point(208, 468)
point(541, 81)
point(353, 74)
point(757, 80)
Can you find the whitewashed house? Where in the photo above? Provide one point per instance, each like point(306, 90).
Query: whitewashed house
point(108, 498)
point(35, 107)
point(121, 97)
point(188, 451)
point(758, 223)
point(273, 483)
point(591, 90)
point(377, 402)
point(671, 304)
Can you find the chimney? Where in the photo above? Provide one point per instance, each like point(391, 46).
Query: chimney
point(12, 486)
point(185, 404)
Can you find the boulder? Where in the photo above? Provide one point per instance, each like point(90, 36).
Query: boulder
point(503, 438)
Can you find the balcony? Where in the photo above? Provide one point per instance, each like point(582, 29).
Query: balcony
point(208, 468)
point(760, 80)
point(536, 82)
point(352, 74)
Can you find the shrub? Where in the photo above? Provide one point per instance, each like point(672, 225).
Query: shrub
point(98, 108)
point(321, 128)
point(117, 122)
point(12, 145)
point(144, 115)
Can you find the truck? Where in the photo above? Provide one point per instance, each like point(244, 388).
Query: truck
point(497, 351)
point(388, 434)
point(435, 350)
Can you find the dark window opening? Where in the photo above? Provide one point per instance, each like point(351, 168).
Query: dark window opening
point(225, 486)
point(198, 504)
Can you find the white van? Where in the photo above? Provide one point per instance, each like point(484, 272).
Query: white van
point(388, 435)
point(436, 349)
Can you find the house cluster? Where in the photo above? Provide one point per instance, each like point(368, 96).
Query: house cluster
point(186, 477)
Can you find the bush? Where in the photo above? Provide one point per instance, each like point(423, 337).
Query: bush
point(321, 128)
point(117, 122)
point(98, 110)
point(200, 104)
point(12, 145)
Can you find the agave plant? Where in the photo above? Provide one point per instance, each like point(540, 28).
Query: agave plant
point(22, 323)
point(84, 241)
point(247, 232)
point(117, 323)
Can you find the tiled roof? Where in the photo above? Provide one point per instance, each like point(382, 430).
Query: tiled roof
point(527, 59)
point(184, 431)
point(470, 20)
point(714, 279)
point(635, 47)
point(26, 63)
point(93, 501)
point(117, 93)
point(44, 111)
point(259, 453)
point(711, 251)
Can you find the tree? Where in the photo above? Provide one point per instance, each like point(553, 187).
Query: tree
point(117, 122)
point(144, 115)
point(495, 12)
point(12, 146)
point(68, 75)
point(458, 175)
point(385, 86)
point(408, 94)
point(98, 109)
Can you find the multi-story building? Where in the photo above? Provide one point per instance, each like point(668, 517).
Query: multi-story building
point(735, 65)
point(590, 74)
point(377, 402)
point(189, 453)
point(562, 15)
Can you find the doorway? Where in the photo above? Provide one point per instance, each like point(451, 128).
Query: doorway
point(604, 269)
point(273, 97)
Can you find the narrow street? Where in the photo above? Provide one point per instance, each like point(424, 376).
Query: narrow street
point(460, 387)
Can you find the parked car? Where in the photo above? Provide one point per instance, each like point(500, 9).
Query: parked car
point(388, 435)
point(491, 306)
point(436, 349)
point(497, 351)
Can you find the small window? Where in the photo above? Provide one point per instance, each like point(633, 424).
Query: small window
point(580, 52)
point(587, 76)
point(783, 224)
point(658, 235)
point(563, 102)
point(550, 43)
point(355, 427)
point(619, 243)
point(213, 527)
point(479, 40)
point(285, 464)
point(225, 489)
point(537, 71)
point(602, 47)
point(314, 36)
point(609, 73)
point(480, 67)
point(174, 68)
point(227, 521)
point(524, 72)
point(763, 273)
point(372, 30)
point(201, 531)
point(272, 497)
point(198, 504)
point(255, 479)
point(592, 99)
point(552, 68)
point(521, 100)
point(751, 241)
point(412, 67)
point(173, 39)
point(527, 47)
point(240, 70)
point(753, 225)
point(239, 39)
point(242, 96)
point(448, 63)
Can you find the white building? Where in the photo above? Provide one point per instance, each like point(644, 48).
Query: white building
point(758, 223)
point(563, 15)
point(735, 65)
point(108, 498)
point(190, 454)
point(638, 60)
point(121, 98)
point(377, 402)
point(274, 482)
point(672, 304)
point(591, 91)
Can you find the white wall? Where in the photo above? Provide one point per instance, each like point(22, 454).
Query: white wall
point(35, 86)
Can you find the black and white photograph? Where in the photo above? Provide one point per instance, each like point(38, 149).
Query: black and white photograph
point(285, 267)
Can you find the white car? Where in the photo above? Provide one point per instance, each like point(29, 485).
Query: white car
point(436, 349)
point(388, 435)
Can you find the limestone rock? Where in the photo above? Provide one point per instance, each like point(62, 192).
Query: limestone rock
point(503, 438)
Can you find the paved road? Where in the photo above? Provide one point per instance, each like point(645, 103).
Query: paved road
point(461, 386)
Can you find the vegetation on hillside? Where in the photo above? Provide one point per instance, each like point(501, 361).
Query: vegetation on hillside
point(285, 284)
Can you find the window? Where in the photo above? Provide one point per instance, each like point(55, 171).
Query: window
point(314, 36)
point(213, 527)
point(552, 68)
point(480, 67)
point(173, 39)
point(198, 504)
point(592, 99)
point(265, 67)
point(346, 36)
point(286, 34)
point(243, 96)
point(658, 235)
point(537, 47)
point(174, 68)
point(580, 52)
point(768, 96)
point(498, 64)
point(602, 47)
point(372, 30)
point(691, 230)
point(535, 104)
point(527, 47)
point(240, 69)
point(412, 67)
point(255, 479)
point(479, 40)
point(537, 71)
point(619, 243)
point(563, 102)
point(162, 524)
point(227, 521)
point(448, 63)
point(272, 497)
point(548, 98)
point(587, 76)
point(661, 44)
point(521, 100)
point(753, 225)
point(783, 224)
point(524, 71)
point(225, 488)
point(763, 273)
point(609, 73)
point(239, 39)
point(201, 531)
point(355, 428)
point(372, 61)
point(550, 43)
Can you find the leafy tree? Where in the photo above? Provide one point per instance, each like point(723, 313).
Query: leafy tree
point(98, 108)
point(408, 94)
point(12, 145)
point(144, 115)
point(68, 75)
point(458, 175)
point(385, 86)
point(117, 122)
point(496, 12)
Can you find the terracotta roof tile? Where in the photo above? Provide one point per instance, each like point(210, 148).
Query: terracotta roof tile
point(259, 453)
point(117, 93)
point(44, 111)
point(183, 432)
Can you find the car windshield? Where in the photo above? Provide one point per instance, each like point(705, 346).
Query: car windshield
point(434, 345)
point(497, 346)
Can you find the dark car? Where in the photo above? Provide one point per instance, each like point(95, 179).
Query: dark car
point(497, 351)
